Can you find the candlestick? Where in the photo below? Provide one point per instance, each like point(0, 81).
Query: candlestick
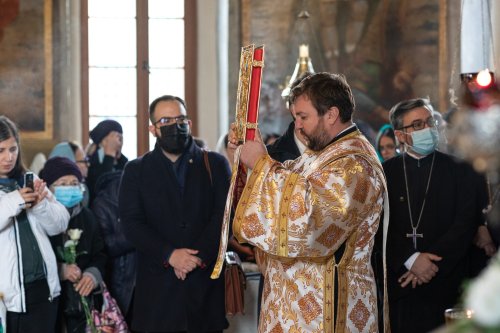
point(304, 51)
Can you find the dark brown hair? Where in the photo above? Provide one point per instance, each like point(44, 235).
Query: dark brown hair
point(326, 90)
point(8, 130)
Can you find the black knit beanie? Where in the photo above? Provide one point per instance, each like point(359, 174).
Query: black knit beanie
point(57, 167)
point(104, 128)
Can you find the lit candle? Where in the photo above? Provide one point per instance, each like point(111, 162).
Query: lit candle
point(484, 78)
point(304, 51)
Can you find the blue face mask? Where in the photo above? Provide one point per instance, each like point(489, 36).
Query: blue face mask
point(69, 196)
point(425, 141)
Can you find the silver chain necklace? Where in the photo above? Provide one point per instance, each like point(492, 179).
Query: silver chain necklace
point(414, 227)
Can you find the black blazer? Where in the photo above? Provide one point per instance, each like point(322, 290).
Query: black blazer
point(157, 219)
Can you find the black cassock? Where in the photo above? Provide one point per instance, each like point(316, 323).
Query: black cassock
point(447, 226)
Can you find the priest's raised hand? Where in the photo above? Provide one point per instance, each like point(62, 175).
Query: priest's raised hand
point(251, 150)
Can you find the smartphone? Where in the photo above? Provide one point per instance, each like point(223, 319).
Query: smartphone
point(28, 180)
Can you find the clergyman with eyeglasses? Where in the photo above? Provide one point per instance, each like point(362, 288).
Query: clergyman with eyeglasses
point(432, 210)
point(171, 205)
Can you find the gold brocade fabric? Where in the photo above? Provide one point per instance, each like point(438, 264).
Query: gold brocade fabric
point(298, 215)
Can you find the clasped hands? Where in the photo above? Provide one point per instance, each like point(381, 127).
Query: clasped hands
point(184, 261)
point(422, 271)
point(83, 283)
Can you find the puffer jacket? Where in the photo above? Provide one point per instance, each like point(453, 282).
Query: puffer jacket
point(47, 218)
point(122, 260)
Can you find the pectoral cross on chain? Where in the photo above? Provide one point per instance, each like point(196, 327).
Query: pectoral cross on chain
point(414, 235)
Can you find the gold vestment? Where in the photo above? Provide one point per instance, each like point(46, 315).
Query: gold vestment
point(298, 214)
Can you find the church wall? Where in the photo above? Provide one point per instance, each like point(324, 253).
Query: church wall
point(388, 50)
point(208, 99)
point(46, 30)
point(378, 45)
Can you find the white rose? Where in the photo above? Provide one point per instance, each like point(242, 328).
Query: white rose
point(483, 296)
point(74, 234)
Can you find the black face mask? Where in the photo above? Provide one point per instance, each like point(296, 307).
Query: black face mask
point(174, 138)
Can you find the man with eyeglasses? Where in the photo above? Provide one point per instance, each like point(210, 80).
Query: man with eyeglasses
point(432, 207)
point(171, 205)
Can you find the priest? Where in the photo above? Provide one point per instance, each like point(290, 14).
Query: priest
point(313, 220)
point(432, 222)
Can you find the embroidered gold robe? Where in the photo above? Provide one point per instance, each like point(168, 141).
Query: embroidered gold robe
point(298, 214)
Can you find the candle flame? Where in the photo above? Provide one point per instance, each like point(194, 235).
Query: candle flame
point(483, 78)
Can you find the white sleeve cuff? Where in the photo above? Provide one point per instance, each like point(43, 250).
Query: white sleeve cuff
point(409, 262)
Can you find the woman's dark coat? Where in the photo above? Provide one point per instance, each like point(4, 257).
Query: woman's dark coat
point(122, 260)
point(90, 250)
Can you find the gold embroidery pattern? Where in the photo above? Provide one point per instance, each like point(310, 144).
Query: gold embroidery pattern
point(359, 315)
point(362, 187)
point(284, 213)
point(360, 286)
point(365, 235)
point(319, 179)
point(296, 283)
point(287, 264)
point(252, 227)
point(328, 291)
point(309, 308)
point(351, 168)
point(344, 301)
point(277, 329)
point(266, 205)
point(267, 290)
point(297, 207)
point(372, 300)
point(330, 236)
point(254, 180)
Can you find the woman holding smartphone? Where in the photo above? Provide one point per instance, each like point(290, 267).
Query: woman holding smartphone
point(28, 270)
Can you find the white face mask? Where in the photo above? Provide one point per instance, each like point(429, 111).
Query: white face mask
point(425, 141)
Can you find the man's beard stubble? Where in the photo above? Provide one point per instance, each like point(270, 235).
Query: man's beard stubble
point(318, 139)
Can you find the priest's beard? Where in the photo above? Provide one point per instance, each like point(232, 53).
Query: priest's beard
point(318, 139)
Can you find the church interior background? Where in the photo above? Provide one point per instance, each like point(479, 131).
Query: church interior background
point(389, 50)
